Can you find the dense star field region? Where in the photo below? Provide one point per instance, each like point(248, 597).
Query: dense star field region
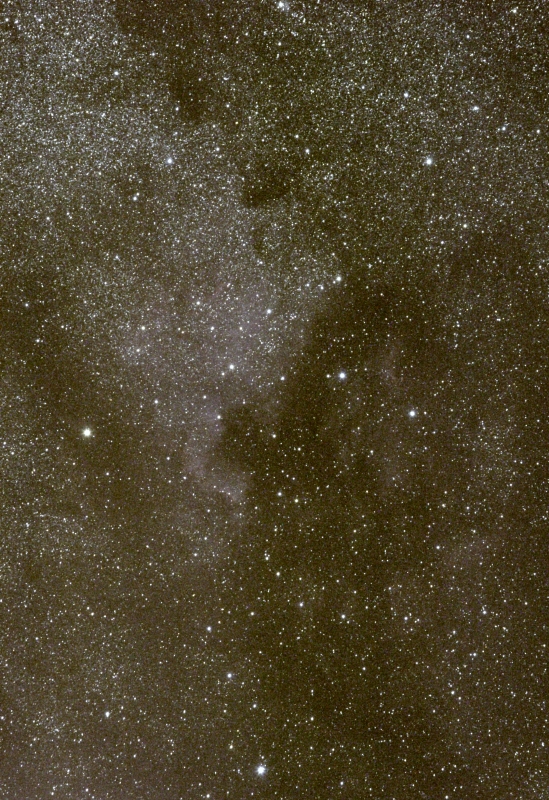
point(274, 432)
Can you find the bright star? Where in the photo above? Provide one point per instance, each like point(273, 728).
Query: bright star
point(342, 376)
point(87, 432)
point(412, 412)
point(261, 770)
point(429, 161)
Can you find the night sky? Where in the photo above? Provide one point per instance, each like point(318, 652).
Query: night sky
point(274, 394)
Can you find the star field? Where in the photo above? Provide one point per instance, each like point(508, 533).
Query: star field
point(274, 446)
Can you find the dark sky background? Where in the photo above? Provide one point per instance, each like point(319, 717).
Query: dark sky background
point(274, 441)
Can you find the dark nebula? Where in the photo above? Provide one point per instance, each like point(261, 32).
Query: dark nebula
point(274, 442)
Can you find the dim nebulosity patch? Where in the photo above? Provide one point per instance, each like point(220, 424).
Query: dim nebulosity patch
point(273, 440)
